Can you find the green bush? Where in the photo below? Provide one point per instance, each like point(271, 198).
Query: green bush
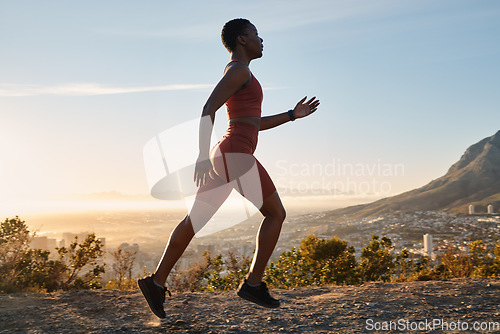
point(80, 263)
point(476, 261)
point(317, 261)
point(26, 269)
point(122, 269)
point(226, 274)
point(211, 273)
point(377, 261)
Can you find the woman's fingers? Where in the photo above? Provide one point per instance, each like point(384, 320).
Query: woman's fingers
point(302, 109)
point(198, 180)
point(202, 172)
point(314, 105)
point(310, 100)
point(301, 101)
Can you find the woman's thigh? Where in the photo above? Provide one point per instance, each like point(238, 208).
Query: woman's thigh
point(208, 200)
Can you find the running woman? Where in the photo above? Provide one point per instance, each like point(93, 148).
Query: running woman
point(231, 165)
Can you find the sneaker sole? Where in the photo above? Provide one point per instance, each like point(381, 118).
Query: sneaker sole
point(252, 299)
point(145, 292)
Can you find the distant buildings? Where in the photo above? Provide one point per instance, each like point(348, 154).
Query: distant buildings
point(50, 244)
point(69, 237)
point(44, 243)
point(472, 210)
point(428, 244)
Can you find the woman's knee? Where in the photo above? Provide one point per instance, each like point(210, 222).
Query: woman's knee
point(273, 207)
point(276, 211)
point(281, 214)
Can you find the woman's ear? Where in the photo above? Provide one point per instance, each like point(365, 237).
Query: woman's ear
point(242, 39)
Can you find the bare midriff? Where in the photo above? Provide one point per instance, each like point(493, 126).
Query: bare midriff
point(252, 120)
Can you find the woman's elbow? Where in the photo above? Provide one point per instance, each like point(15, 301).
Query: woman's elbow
point(208, 110)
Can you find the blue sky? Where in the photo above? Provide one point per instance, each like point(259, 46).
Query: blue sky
point(84, 85)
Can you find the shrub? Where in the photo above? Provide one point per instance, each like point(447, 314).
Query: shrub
point(226, 273)
point(122, 268)
point(25, 269)
point(191, 279)
point(78, 259)
point(377, 262)
point(316, 261)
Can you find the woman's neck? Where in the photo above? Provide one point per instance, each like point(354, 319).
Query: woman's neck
point(235, 56)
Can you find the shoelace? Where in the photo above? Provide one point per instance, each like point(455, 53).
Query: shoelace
point(164, 289)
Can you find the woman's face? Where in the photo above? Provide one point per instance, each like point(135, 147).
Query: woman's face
point(253, 41)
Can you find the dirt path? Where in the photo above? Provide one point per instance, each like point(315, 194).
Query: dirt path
point(369, 308)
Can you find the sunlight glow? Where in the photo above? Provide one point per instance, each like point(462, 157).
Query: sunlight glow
point(11, 208)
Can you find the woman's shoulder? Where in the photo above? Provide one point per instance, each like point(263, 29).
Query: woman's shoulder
point(237, 70)
point(235, 65)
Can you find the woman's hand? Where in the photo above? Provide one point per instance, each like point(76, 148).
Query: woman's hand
point(303, 109)
point(202, 171)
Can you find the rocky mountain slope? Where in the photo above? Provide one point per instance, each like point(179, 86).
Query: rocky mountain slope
point(474, 179)
point(329, 309)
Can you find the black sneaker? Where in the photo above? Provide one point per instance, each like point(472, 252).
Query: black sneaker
point(258, 295)
point(155, 295)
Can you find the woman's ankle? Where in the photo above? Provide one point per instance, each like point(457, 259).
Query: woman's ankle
point(253, 281)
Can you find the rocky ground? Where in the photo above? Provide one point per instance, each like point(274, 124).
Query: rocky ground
point(423, 307)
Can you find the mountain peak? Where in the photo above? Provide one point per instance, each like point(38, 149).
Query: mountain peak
point(474, 179)
point(480, 153)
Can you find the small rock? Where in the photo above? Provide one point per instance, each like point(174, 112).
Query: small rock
point(179, 322)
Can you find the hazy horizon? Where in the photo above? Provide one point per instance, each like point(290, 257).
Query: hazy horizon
point(147, 223)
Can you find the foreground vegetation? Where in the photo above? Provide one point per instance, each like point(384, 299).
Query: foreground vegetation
point(315, 262)
point(26, 269)
point(318, 261)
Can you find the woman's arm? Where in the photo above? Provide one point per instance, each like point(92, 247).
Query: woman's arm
point(302, 109)
point(234, 78)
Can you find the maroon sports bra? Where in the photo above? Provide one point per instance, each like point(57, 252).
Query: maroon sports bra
point(246, 102)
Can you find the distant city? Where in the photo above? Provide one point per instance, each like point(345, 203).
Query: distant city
point(422, 233)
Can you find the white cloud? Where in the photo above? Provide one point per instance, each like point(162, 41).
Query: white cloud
point(87, 89)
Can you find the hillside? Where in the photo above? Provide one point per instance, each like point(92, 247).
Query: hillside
point(329, 309)
point(474, 179)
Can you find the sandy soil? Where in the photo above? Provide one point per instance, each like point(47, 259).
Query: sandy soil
point(420, 307)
